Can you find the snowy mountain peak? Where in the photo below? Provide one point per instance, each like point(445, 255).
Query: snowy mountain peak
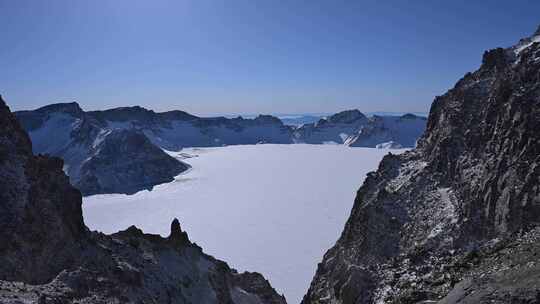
point(347, 116)
point(268, 119)
point(72, 108)
point(409, 116)
point(525, 43)
point(177, 115)
point(354, 129)
point(125, 114)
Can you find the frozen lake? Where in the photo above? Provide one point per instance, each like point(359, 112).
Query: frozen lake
point(274, 209)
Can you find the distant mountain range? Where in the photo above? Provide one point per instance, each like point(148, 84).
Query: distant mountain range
point(355, 129)
point(120, 150)
point(305, 118)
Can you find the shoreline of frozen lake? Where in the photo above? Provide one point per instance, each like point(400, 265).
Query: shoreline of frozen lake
point(274, 209)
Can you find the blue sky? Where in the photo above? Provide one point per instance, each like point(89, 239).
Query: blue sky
point(233, 57)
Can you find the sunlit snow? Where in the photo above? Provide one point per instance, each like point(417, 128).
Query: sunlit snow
point(274, 209)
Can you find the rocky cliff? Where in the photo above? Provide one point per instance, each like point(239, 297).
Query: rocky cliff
point(47, 255)
point(455, 220)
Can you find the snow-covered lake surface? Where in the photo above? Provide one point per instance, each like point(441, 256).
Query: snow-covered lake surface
point(273, 209)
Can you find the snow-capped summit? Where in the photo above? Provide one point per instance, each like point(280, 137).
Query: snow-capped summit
point(268, 120)
point(526, 42)
point(87, 145)
point(332, 130)
point(66, 107)
point(347, 117)
point(355, 129)
point(402, 131)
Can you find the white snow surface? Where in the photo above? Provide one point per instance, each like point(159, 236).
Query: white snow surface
point(525, 44)
point(54, 135)
point(274, 209)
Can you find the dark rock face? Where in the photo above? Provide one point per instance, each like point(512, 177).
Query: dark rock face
point(47, 255)
point(126, 162)
point(25, 223)
point(457, 219)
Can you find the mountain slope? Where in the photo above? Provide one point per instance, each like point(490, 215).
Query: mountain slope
point(125, 161)
point(49, 256)
point(455, 220)
point(118, 150)
point(96, 158)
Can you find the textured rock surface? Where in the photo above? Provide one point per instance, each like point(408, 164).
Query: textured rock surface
point(455, 220)
point(47, 255)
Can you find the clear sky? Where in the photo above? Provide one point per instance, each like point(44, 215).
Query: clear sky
point(247, 56)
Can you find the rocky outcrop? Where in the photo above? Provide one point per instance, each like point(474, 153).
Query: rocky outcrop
point(455, 220)
point(49, 256)
point(354, 129)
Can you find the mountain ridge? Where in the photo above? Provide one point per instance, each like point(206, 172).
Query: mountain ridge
point(455, 220)
point(140, 117)
point(80, 138)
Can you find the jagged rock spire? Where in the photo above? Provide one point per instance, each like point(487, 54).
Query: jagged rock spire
point(177, 235)
point(175, 227)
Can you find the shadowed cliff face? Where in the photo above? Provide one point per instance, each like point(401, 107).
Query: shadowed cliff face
point(456, 219)
point(483, 136)
point(32, 232)
point(44, 242)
